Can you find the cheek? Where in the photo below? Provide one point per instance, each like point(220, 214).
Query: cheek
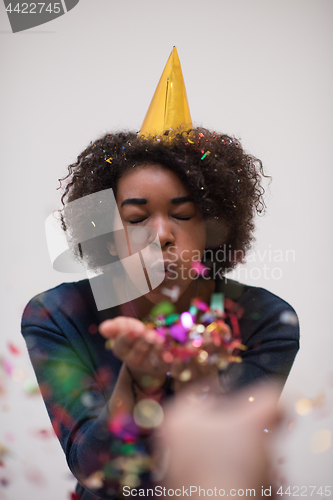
point(121, 244)
point(194, 244)
point(198, 236)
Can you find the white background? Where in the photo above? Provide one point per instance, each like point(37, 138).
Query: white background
point(257, 69)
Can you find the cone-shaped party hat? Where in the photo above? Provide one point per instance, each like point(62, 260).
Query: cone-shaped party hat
point(169, 107)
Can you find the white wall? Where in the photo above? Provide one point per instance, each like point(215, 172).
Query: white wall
point(257, 69)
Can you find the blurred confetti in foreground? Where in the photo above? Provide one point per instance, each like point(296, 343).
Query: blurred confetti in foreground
point(321, 441)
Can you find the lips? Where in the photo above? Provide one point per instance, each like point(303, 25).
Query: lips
point(163, 267)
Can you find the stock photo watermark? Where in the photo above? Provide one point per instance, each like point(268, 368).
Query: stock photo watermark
point(263, 264)
point(26, 15)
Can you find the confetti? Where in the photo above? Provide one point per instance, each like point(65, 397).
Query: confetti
point(94, 481)
point(186, 320)
point(162, 308)
point(87, 400)
point(3, 451)
point(321, 441)
point(74, 496)
point(109, 344)
point(289, 318)
point(93, 329)
point(303, 406)
point(200, 269)
point(185, 375)
point(173, 293)
point(7, 366)
point(148, 413)
point(204, 155)
point(31, 387)
point(13, 349)
point(35, 476)
point(184, 334)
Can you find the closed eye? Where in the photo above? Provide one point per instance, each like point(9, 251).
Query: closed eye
point(142, 220)
point(136, 221)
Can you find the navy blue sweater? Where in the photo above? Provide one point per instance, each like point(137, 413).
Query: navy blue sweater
point(76, 373)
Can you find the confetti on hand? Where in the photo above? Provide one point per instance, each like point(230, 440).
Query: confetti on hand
point(201, 334)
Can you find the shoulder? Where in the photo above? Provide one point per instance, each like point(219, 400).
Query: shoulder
point(68, 300)
point(251, 295)
point(262, 311)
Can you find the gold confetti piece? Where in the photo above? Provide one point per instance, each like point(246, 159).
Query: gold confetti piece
point(109, 160)
point(3, 450)
point(211, 327)
point(251, 399)
point(150, 325)
point(303, 406)
point(93, 223)
point(95, 480)
point(131, 480)
point(321, 441)
point(185, 375)
point(222, 364)
point(202, 357)
point(234, 359)
point(109, 344)
point(148, 414)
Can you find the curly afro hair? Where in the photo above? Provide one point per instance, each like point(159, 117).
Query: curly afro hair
point(222, 179)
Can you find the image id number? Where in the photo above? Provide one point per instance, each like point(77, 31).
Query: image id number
point(35, 8)
point(304, 491)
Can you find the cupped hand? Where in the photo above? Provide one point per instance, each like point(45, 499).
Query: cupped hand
point(136, 346)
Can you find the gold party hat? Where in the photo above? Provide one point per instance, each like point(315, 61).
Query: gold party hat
point(168, 109)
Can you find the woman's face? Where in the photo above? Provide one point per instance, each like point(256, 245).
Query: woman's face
point(154, 197)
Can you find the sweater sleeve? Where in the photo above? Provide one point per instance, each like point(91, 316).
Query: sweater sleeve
point(270, 331)
point(75, 394)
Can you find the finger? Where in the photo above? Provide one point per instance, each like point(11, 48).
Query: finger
point(138, 353)
point(112, 328)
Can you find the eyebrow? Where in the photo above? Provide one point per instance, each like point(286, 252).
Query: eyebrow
point(134, 201)
point(143, 201)
point(181, 199)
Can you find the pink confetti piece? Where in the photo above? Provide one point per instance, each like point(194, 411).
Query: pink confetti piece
point(35, 476)
point(8, 366)
point(178, 332)
point(43, 433)
point(200, 269)
point(13, 349)
point(9, 437)
point(186, 320)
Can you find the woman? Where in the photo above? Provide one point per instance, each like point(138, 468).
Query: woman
point(198, 192)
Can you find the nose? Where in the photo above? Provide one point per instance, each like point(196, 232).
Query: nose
point(164, 230)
